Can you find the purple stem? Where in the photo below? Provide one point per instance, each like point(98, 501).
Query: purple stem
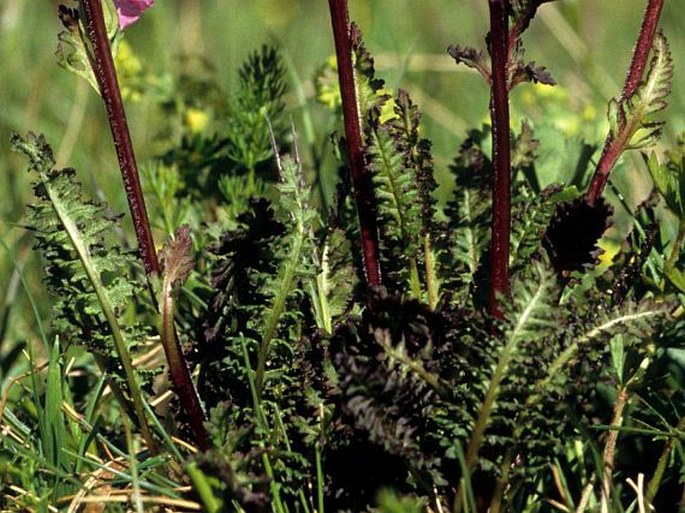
point(106, 76)
point(613, 147)
point(361, 178)
point(501, 156)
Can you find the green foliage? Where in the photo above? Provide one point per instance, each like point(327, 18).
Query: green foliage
point(332, 291)
point(74, 50)
point(85, 270)
point(470, 210)
point(324, 394)
point(401, 167)
point(632, 119)
point(231, 165)
point(258, 100)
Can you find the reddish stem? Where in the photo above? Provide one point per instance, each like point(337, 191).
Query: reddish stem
point(106, 76)
point(178, 368)
point(613, 147)
point(361, 178)
point(501, 156)
point(105, 73)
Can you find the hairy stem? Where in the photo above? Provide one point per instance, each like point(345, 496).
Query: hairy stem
point(610, 447)
point(501, 156)
point(103, 67)
point(614, 146)
point(361, 178)
point(178, 368)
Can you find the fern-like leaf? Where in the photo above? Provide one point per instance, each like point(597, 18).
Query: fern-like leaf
point(469, 211)
point(90, 275)
point(403, 177)
point(295, 260)
point(528, 314)
point(74, 51)
point(627, 116)
point(332, 290)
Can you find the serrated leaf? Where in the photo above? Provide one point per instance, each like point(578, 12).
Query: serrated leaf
point(470, 57)
point(335, 280)
point(74, 49)
point(528, 314)
point(294, 258)
point(631, 120)
point(88, 275)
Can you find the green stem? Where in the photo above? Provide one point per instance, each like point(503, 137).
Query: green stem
point(320, 296)
point(501, 483)
point(203, 488)
point(319, 478)
point(414, 280)
point(655, 482)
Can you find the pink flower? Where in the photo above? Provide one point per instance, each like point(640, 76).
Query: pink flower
point(130, 10)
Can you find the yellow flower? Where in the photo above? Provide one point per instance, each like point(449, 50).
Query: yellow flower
point(127, 63)
point(196, 120)
point(130, 72)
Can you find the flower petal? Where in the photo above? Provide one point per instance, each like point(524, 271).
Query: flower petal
point(130, 10)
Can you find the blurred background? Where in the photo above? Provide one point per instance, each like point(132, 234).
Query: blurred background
point(585, 44)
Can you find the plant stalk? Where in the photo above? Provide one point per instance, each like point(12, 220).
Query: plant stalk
point(501, 156)
point(361, 178)
point(178, 369)
point(613, 147)
point(610, 447)
point(655, 482)
point(105, 73)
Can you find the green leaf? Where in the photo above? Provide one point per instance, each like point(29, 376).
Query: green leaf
point(560, 158)
point(89, 275)
point(528, 314)
point(669, 180)
point(53, 434)
point(335, 281)
point(634, 122)
point(295, 254)
point(677, 278)
point(618, 356)
point(74, 49)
